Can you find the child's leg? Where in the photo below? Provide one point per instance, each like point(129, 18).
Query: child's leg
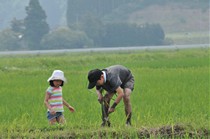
point(61, 120)
point(52, 121)
point(51, 118)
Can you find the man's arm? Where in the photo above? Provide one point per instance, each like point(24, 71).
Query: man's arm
point(100, 96)
point(120, 95)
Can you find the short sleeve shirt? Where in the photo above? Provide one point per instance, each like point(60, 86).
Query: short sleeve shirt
point(56, 99)
point(116, 76)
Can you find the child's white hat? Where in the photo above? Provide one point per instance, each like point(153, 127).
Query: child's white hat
point(57, 75)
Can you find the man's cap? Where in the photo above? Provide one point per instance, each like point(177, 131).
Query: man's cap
point(93, 76)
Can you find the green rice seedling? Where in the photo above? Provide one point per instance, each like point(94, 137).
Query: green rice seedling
point(171, 88)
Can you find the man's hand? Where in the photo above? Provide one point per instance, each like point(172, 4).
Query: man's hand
point(100, 96)
point(111, 110)
point(100, 99)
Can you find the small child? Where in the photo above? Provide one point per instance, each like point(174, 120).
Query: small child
point(54, 100)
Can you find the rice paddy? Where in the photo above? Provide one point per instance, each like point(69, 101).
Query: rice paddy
point(170, 99)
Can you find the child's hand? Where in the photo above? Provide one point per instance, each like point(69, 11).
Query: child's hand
point(52, 112)
point(71, 108)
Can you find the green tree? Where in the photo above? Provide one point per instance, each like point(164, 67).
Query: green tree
point(35, 25)
point(9, 40)
point(65, 38)
point(93, 27)
point(17, 25)
point(125, 34)
point(77, 9)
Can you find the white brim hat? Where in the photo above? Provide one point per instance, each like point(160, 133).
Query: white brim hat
point(57, 75)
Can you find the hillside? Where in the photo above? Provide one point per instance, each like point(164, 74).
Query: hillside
point(173, 17)
point(184, 22)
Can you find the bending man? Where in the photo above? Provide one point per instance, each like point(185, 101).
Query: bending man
point(114, 79)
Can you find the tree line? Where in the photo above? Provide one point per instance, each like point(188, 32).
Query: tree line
point(84, 29)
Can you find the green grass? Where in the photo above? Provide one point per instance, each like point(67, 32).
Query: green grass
point(171, 87)
point(188, 38)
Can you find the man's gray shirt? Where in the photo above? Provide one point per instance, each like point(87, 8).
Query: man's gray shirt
point(116, 76)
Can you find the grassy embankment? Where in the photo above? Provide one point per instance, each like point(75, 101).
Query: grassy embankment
point(171, 95)
point(182, 38)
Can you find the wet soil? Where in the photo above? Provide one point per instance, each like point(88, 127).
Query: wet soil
point(176, 131)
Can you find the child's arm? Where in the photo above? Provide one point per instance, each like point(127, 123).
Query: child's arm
point(47, 96)
point(68, 106)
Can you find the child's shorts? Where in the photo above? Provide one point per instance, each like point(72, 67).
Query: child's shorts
point(56, 115)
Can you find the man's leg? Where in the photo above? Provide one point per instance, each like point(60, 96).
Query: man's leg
point(105, 108)
point(127, 103)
